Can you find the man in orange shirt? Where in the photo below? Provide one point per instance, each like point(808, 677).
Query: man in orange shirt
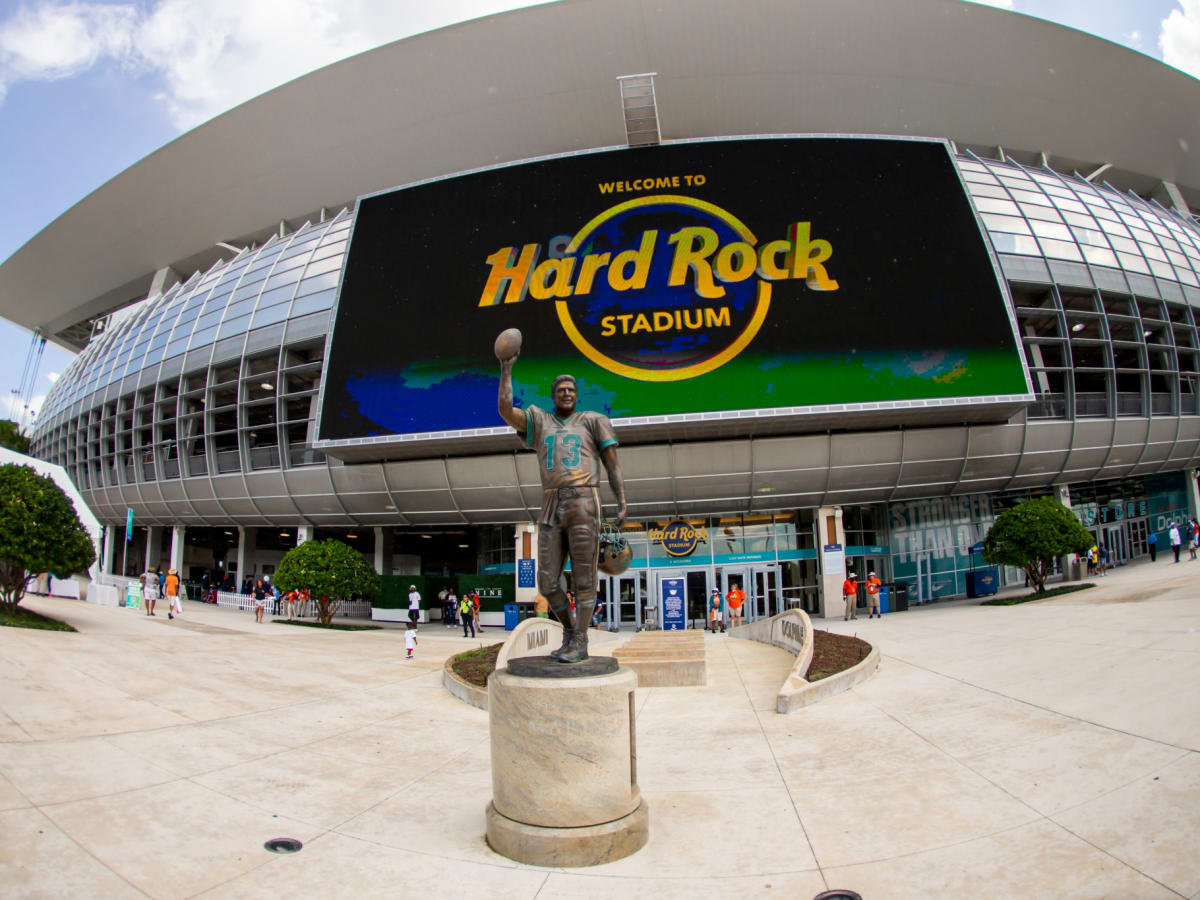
point(850, 595)
point(174, 606)
point(734, 600)
point(873, 585)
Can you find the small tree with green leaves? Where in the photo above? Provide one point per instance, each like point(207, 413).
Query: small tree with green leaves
point(11, 436)
point(330, 571)
point(39, 532)
point(1032, 534)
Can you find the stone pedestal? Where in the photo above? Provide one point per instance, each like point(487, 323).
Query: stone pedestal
point(564, 769)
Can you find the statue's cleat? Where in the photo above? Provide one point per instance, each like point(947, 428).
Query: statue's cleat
point(568, 636)
point(577, 652)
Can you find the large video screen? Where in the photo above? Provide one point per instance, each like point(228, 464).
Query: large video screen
point(742, 274)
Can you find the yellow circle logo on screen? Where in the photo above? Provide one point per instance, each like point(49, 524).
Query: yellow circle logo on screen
point(665, 288)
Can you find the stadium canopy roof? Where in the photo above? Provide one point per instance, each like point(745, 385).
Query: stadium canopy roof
point(542, 80)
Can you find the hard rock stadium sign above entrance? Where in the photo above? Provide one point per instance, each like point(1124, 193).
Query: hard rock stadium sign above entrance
point(739, 274)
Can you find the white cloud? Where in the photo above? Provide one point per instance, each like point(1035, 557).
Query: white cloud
point(214, 54)
point(51, 41)
point(52, 377)
point(1179, 38)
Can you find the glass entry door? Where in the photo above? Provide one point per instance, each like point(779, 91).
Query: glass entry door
point(924, 582)
point(1118, 545)
point(760, 584)
point(727, 577)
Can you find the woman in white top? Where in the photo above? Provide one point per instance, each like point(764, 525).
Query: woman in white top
point(150, 592)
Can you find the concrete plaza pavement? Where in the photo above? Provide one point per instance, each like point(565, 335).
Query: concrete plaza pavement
point(1047, 749)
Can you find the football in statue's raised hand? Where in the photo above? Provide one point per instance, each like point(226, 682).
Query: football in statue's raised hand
point(508, 344)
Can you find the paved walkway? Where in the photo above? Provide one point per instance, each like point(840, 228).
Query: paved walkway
point(1048, 749)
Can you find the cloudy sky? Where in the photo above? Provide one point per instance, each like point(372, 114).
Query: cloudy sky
point(89, 88)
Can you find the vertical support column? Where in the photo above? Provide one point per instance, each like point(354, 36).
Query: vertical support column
point(110, 542)
point(245, 543)
point(304, 533)
point(1193, 493)
point(526, 549)
point(832, 550)
point(177, 537)
point(153, 546)
point(383, 551)
point(1062, 493)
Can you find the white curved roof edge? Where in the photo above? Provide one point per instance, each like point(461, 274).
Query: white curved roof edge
point(541, 80)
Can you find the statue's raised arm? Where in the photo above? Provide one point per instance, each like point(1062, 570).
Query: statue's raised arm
point(508, 348)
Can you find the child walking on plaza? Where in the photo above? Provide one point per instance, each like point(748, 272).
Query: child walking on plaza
point(410, 639)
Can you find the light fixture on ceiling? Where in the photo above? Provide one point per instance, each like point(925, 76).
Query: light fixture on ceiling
point(351, 536)
point(1078, 326)
point(1146, 333)
point(284, 534)
point(464, 546)
point(267, 386)
point(427, 536)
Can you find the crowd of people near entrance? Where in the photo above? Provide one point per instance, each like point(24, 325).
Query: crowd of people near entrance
point(456, 610)
point(1181, 535)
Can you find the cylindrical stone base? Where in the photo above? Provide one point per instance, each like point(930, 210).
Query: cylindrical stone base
point(568, 847)
point(564, 769)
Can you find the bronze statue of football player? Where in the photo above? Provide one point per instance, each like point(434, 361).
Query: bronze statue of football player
point(571, 446)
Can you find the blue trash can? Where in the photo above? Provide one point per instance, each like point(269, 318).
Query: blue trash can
point(512, 615)
point(883, 599)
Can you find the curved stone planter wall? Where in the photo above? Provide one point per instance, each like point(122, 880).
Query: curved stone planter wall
point(463, 690)
point(792, 631)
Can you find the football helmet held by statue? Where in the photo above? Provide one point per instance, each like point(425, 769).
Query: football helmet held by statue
point(615, 552)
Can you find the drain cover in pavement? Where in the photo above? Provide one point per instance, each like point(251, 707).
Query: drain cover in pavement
point(283, 845)
point(842, 894)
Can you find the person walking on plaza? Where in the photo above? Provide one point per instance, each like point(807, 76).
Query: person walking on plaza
point(174, 604)
point(410, 639)
point(873, 586)
point(1152, 544)
point(1103, 550)
point(716, 611)
point(414, 603)
point(466, 612)
point(150, 592)
point(475, 603)
point(260, 599)
point(850, 595)
point(1193, 538)
point(452, 603)
point(1176, 540)
point(735, 600)
point(448, 603)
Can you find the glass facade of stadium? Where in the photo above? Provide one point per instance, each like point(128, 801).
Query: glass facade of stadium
point(196, 410)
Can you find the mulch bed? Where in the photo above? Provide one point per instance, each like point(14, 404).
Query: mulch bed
point(1050, 592)
point(833, 653)
point(27, 618)
point(475, 666)
point(334, 626)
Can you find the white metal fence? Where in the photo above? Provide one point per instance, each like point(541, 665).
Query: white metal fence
point(353, 609)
